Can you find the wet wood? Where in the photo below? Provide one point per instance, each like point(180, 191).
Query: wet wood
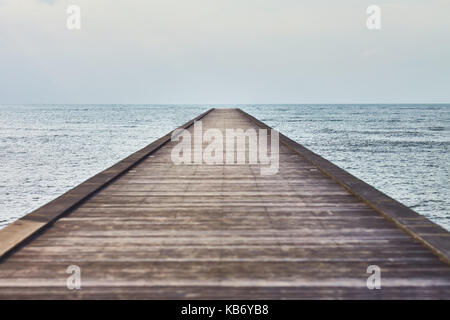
point(163, 231)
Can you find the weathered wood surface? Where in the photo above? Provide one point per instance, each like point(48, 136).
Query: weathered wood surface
point(225, 231)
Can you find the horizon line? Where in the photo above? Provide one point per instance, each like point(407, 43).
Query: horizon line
point(230, 104)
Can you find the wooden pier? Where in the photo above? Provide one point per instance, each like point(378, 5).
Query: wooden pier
point(149, 229)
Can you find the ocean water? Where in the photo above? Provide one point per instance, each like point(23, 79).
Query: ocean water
point(403, 150)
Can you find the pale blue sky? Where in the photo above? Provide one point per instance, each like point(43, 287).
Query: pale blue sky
point(224, 51)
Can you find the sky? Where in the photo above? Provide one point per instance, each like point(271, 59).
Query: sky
point(224, 52)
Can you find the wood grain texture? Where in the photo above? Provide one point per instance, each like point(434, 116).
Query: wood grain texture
point(225, 232)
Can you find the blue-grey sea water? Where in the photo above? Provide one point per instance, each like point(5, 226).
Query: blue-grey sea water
point(403, 150)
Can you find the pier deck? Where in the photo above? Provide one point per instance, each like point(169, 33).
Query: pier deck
point(149, 229)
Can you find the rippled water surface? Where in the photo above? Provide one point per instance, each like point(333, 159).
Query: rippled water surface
point(403, 150)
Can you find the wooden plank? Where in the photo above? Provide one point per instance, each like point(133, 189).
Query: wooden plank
point(16, 232)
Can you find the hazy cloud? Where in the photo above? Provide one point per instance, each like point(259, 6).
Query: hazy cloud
point(224, 51)
point(48, 1)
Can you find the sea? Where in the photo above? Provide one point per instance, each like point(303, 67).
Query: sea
point(401, 149)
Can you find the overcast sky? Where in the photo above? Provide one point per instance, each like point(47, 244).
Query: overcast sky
point(224, 51)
